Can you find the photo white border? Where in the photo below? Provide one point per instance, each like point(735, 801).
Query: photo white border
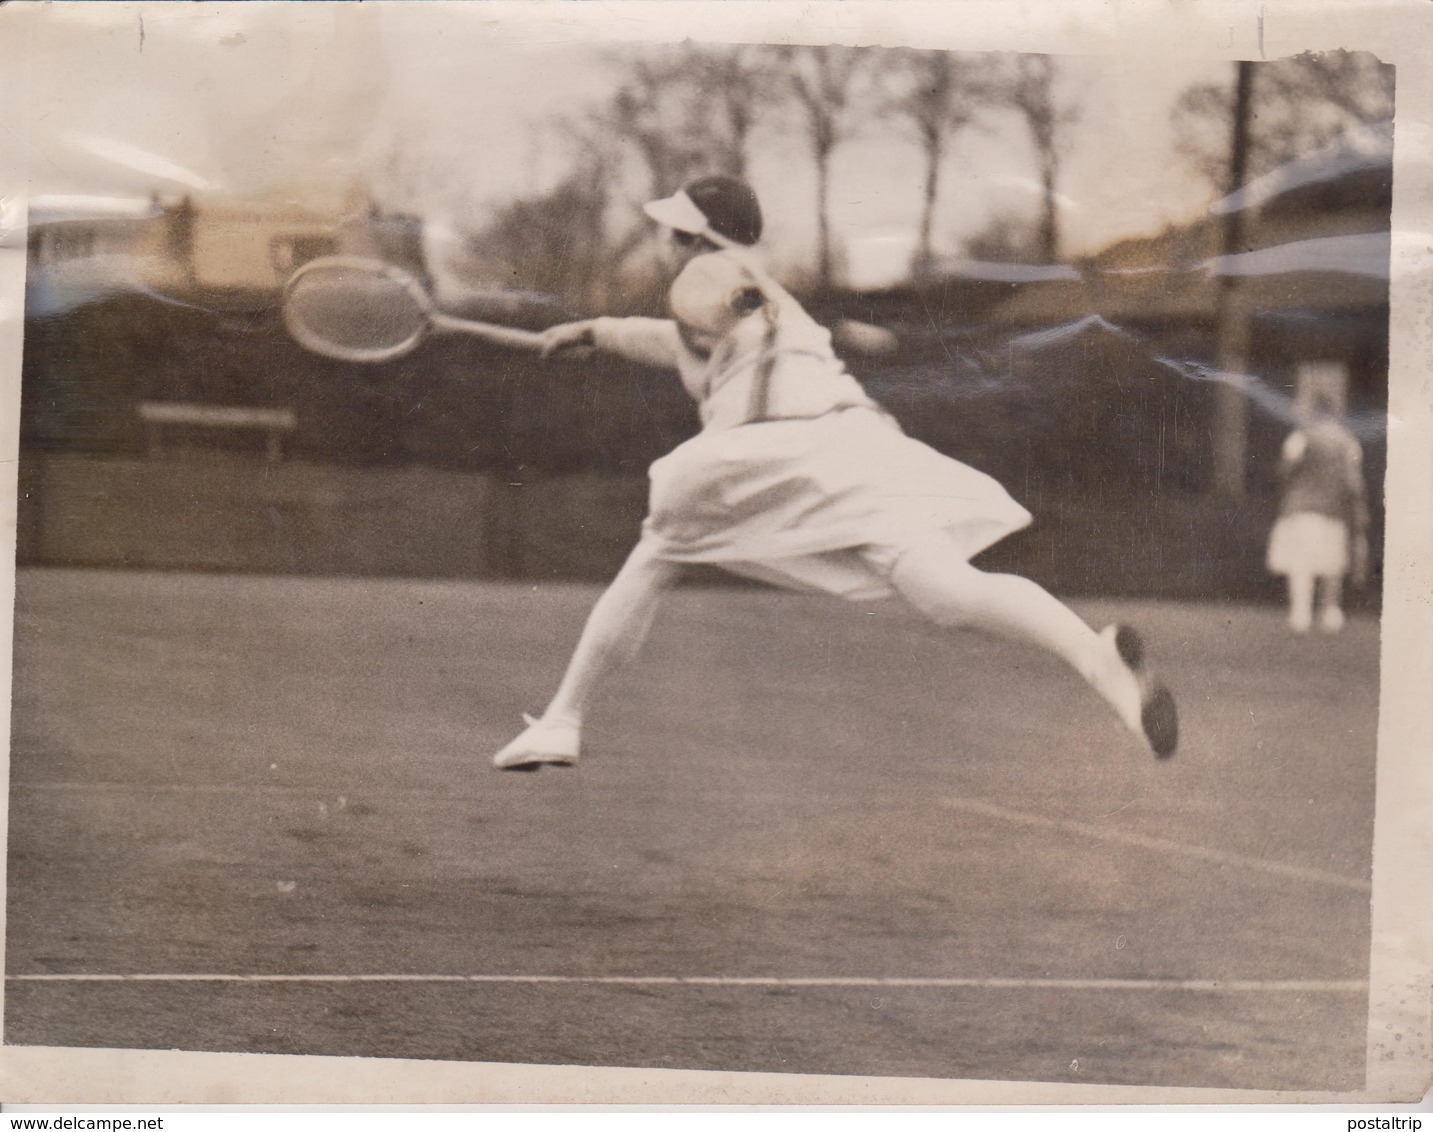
point(1401, 978)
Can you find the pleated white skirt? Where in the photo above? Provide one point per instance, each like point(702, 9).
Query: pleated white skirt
point(819, 504)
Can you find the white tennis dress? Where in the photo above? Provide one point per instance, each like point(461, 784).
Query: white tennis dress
point(798, 477)
point(1322, 468)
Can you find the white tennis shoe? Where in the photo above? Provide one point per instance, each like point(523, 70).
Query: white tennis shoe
point(1140, 697)
point(541, 744)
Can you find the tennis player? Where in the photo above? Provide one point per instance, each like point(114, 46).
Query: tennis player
point(799, 478)
point(1321, 534)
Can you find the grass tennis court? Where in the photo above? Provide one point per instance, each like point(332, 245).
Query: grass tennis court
point(256, 814)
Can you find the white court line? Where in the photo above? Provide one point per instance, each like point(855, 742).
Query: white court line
point(1158, 844)
point(1335, 986)
point(215, 788)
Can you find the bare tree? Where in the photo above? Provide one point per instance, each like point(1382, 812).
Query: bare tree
point(733, 87)
point(1299, 105)
point(1031, 92)
point(938, 93)
point(557, 242)
point(656, 114)
point(826, 83)
point(646, 140)
point(687, 110)
point(1007, 237)
point(678, 113)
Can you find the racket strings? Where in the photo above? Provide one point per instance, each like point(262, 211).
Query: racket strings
point(354, 313)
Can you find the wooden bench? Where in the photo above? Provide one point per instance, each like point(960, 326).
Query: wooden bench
point(274, 422)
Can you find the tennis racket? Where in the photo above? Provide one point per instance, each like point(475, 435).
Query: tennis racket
point(365, 310)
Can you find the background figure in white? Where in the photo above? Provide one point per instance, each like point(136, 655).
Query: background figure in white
point(1321, 534)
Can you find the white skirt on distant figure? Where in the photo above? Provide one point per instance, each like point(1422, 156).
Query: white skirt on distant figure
point(827, 503)
point(1308, 543)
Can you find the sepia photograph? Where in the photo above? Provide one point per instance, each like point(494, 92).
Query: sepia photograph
point(575, 536)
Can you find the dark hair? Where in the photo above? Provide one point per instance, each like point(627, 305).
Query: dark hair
point(729, 205)
point(748, 299)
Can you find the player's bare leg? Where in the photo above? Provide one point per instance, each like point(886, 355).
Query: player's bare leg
point(1301, 601)
point(1331, 619)
point(937, 580)
point(615, 630)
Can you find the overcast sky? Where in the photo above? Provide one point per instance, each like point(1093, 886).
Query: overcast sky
point(447, 112)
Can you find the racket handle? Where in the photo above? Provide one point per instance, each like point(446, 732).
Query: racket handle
point(488, 331)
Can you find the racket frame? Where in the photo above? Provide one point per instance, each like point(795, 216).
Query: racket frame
point(432, 320)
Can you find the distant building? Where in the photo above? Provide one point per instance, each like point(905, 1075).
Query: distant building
point(214, 248)
point(256, 243)
point(63, 228)
point(1312, 280)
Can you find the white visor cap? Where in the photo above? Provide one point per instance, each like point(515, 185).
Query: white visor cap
point(680, 212)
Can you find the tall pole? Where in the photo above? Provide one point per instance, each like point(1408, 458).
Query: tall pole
point(923, 257)
point(1231, 405)
point(1050, 216)
point(823, 218)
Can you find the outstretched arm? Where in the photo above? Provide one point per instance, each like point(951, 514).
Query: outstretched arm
point(566, 337)
point(646, 341)
point(1296, 444)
